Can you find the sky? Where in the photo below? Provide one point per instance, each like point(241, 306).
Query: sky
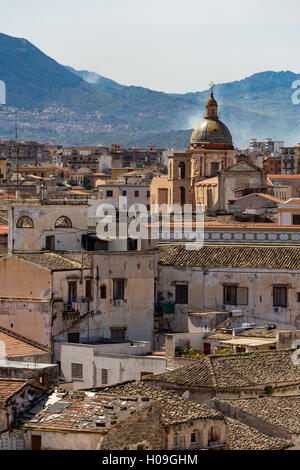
point(174, 46)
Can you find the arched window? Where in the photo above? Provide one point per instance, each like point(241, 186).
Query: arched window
point(63, 222)
point(213, 435)
point(25, 222)
point(181, 170)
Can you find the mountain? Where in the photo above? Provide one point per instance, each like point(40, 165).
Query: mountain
point(59, 104)
point(96, 79)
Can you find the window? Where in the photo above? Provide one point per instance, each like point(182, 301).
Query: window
point(25, 222)
point(124, 193)
point(132, 244)
point(214, 168)
point(109, 193)
point(213, 435)
point(50, 242)
point(182, 195)
point(148, 194)
point(230, 295)
point(181, 170)
point(63, 222)
point(193, 437)
point(298, 296)
point(136, 193)
point(72, 291)
point(88, 289)
point(104, 376)
point(77, 371)
point(73, 338)
point(182, 294)
point(296, 219)
point(103, 291)
point(118, 334)
point(234, 295)
point(119, 288)
point(279, 296)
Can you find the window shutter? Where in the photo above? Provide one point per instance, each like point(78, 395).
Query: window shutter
point(104, 376)
point(77, 371)
point(242, 296)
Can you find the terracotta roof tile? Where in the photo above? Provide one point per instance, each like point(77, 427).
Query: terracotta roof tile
point(231, 256)
point(15, 346)
point(234, 371)
point(51, 261)
point(81, 410)
point(8, 387)
point(242, 437)
point(278, 411)
point(175, 409)
point(263, 195)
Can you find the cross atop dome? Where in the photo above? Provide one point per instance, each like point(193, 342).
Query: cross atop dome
point(211, 86)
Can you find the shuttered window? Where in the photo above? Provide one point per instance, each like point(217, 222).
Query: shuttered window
point(103, 292)
point(118, 334)
point(182, 294)
point(279, 296)
point(104, 376)
point(234, 295)
point(88, 289)
point(119, 289)
point(242, 296)
point(77, 371)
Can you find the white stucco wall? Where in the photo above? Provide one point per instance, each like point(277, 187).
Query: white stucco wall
point(121, 367)
point(44, 218)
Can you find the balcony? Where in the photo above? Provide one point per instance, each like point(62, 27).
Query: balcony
point(76, 310)
point(165, 309)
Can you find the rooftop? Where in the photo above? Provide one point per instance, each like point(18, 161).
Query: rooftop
point(263, 195)
point(175, 409)
point(51, 261)
point(231, 256)
point(259, 335)
point(84, 411)
point(97, 411)
point(8, 387)
point(242, 437)
point(17, 346)
point(278, 411)
point(234, 371)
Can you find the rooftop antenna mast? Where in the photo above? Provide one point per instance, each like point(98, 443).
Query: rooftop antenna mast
point(17, 152)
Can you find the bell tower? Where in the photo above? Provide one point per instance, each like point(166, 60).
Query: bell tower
point(179, 178)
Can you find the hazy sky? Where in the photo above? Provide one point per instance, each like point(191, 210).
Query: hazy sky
point(169, 45)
